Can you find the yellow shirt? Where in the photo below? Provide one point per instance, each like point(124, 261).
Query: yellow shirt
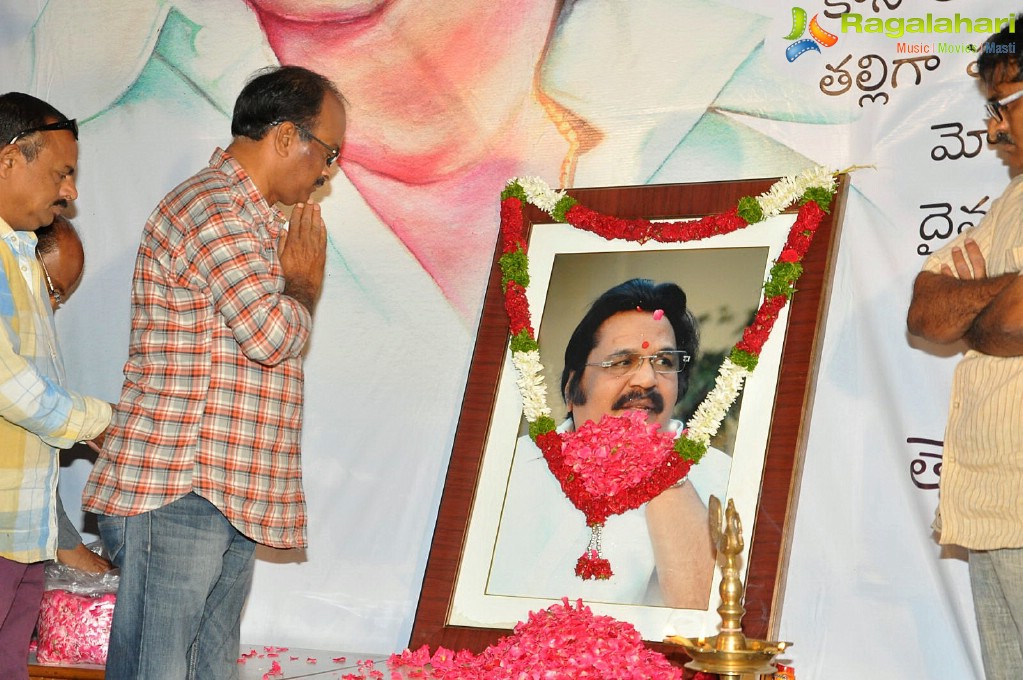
point(37, 413)
point(981, 494)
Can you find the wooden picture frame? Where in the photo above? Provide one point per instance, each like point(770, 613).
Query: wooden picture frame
point(769, 522)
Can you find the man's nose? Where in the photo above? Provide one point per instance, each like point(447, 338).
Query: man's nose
point(644, 374)
point(68, 188)
point(995, 126)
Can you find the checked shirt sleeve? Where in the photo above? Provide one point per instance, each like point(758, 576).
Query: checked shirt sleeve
point(38, 404)
point(58, 417)
point(240, 266)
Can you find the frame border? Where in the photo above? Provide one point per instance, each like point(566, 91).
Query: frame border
point(769, 552)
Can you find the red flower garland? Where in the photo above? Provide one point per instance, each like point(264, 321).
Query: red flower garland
point(591, 565)
point(512, 238)
point(597, 508)
point(644, 230)
point(755, 335)
point(517, 306)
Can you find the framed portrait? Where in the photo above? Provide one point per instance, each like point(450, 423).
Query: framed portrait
point(507, 538)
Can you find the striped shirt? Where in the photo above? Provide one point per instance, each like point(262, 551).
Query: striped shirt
point(981, 494)
point(37, 413)
point(212, 394)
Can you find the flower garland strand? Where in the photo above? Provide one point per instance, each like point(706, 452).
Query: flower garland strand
point(654, 461)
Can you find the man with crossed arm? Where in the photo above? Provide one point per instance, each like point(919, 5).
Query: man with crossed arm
point(971, 292)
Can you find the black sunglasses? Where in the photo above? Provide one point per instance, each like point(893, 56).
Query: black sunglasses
point(69, 125)
point(332, 151)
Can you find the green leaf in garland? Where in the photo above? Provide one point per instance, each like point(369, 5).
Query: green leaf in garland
point(749, 209)
point(521, 342)
point(514, 267)
point(783, 278)
point(742, 358)
point(818, 195)
point(513, 189)
point(561, 207)
point(690, 450)
point(541, 425)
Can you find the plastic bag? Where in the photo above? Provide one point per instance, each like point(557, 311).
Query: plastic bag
point(75, 615)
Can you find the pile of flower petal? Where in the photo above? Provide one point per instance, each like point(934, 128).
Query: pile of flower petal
point(74, 629)
point(563, 641)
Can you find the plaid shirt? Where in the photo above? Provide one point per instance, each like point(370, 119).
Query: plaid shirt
point(36, 412)
point(212, 395)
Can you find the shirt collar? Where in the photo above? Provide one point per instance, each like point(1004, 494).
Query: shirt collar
point(19, 239)
point(222, 160)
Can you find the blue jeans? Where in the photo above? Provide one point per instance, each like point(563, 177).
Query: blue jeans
point(996, 578)
point(185, 574)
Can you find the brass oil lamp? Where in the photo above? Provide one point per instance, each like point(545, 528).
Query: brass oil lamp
point(729, 654)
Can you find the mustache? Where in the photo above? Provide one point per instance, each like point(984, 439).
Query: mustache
point(1001, 138)
point(320, 182)
point(62, 202)
point(651, 394)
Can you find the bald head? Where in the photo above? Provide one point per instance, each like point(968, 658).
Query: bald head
point(63, 258)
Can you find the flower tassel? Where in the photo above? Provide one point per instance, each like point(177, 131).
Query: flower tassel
point(591, 564)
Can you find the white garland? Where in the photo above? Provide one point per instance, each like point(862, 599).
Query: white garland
point(707, 419)
point(704, 423)
point(789, 189)
point(531, 384)
point(539, 193)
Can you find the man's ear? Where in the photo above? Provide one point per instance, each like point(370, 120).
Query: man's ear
point(568, 390)
point(284, 137)
point(10, 156)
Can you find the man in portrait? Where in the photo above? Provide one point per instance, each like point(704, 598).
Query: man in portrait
point(633, 350)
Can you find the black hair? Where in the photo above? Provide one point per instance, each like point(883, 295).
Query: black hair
point(630, 295)
point(20, 111)
point(1002, 54)
point(277, 94)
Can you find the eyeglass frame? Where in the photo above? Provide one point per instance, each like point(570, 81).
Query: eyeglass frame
point(71, 125)
point(994, 106)
point(333, 151)
point(683, 355)
point(50, 288)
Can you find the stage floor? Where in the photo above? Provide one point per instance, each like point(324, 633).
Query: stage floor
point(256, 662)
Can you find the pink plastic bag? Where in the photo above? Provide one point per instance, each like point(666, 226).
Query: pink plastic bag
point(75, 616)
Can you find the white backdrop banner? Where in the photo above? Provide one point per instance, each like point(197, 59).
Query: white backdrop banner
point(450, 99)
